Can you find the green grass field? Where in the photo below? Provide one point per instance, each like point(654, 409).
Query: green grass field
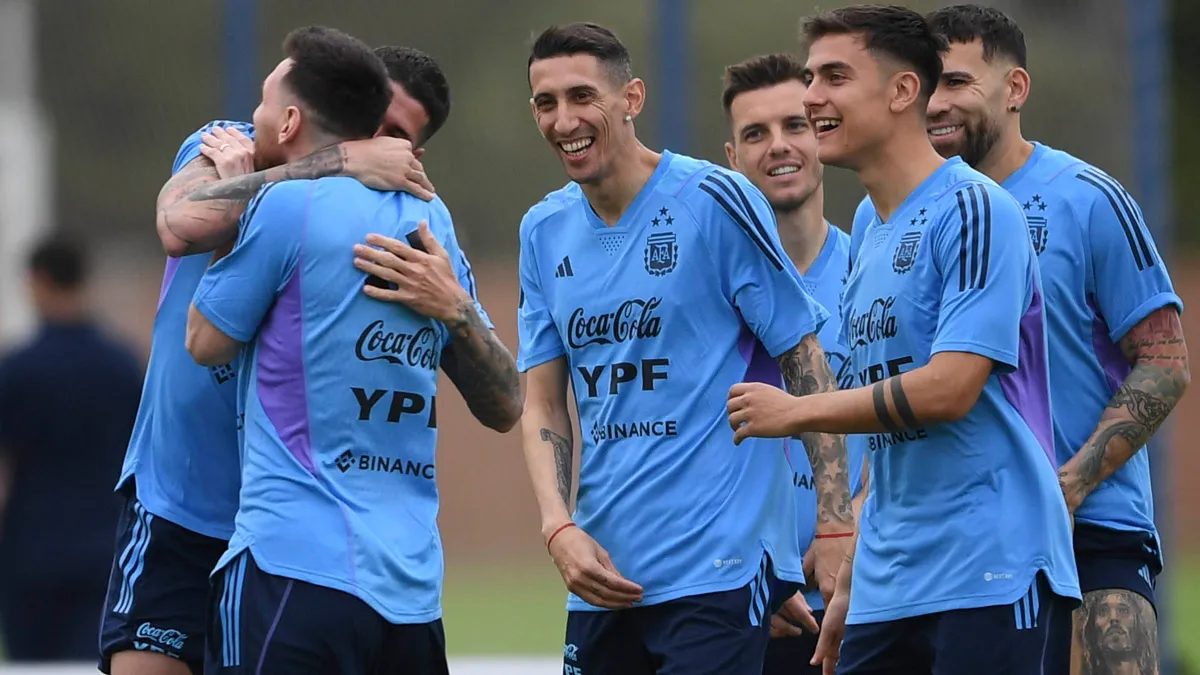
point(513, 609)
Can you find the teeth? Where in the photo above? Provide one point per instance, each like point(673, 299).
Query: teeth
point(784, 170)
point(827, 125)
point(576, 146)
point(943, 131)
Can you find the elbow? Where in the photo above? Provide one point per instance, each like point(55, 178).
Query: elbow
point(172, 245)
point(203, 351)
point(508, 414)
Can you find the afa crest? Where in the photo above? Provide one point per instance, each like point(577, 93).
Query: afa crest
point(661, 253)
point(1039, 234)
point(906, 252)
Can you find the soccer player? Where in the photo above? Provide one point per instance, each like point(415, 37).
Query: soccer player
point(774, 146)
point(651, 283)
point(963, 553)
point(181, 473)
point(1115, 340)
point(335, 562)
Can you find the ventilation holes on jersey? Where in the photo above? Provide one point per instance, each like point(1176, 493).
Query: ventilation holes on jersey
point(611, 243)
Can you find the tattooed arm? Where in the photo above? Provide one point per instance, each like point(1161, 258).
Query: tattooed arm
point(806, 371)
point(549, 442)
point(483, 370)
point(198, 211)
point(1156, 349)
point(943, 390)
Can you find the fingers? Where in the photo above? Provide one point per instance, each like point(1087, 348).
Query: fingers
point(210, 139)
point(780, 627)
point(242, 139)
point(397, 248)
point(392, 271)
point(738, 417)
point(432, 245)
point(419, 184)
point(796, 609)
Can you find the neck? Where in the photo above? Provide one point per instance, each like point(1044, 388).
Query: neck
point(1007, 156)
point(803, 230)
point(63, 308)
point(306, 144)
point(897, 168)
point(613, 194)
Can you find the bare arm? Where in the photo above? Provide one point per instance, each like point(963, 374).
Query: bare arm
point(483, 370)
point(199, 211)
point(549, 442)
point(859, 499)
point(206, 343)
point(1158, 353)
point(806, 371)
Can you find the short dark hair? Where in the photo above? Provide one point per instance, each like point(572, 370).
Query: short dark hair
point(963, 24)
point(61, 261)
point(339, 80)
point(888, 30)
point(419, 75)
point(759, 72)
point(585, 38)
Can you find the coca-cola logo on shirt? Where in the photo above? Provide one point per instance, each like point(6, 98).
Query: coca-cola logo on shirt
point(418, 350)
point(876, 324)
point(632, 320)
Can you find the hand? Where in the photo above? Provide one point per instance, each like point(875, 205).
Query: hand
point(424, 281)
point(827, 556)
point(759, 410)
point(230, 150)
point(589, 573)
point(386, 163)
point(795, 610)
point(833, 629)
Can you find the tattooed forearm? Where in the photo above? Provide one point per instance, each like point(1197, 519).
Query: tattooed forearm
point(198, 211)
point(1149, 393)
point(1116, 633)
point(562, 463)
point(806, 371)
point(484, 371)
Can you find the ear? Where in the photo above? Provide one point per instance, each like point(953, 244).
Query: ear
point(418, 153)
point(904, 91)
point(731, 157)
point(290, 129)
point(1018, 89)
point(635, 97)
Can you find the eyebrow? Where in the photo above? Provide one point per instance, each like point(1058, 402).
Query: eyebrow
point(826, 67)
point(957, 73)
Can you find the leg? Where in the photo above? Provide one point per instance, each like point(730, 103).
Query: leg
point(415, 649)
point(790, 655)
point(154, 612)
point(263, 624)
point(716, 633)
point(998, 640)
point(899, 647)
point(605, 643)
point(1115, 631)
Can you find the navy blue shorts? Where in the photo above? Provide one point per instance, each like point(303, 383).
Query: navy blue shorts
point(999, 640)
point(158, 589)
point(711, 634)
point(1106, 559)
point(790, 655)
point(262, 624)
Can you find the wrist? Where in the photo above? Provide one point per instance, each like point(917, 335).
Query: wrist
point(553, 524)
point(460, 317)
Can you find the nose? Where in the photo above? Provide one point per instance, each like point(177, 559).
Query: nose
point(778, 145)
point(939, 103)
point(565, 121)
point(814, 97)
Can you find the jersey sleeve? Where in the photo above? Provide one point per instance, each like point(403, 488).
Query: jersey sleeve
point(190, 149)
point(539, 340)
point(757, 277)
point(1131, 280)
point(982, 249)
point(237, 291)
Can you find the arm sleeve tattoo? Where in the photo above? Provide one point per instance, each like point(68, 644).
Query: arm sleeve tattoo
point(484, 371)
point(806, 371)
point(1156, 349)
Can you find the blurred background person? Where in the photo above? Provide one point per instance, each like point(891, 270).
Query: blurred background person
point(67, 402)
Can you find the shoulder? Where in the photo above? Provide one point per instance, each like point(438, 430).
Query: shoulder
point(710, 189)
point(551, 206)
point(863, 214)
point(189, 149)
point(966, 197)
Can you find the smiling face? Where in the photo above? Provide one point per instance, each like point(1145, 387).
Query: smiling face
point(847, 100)
point(774, 145)
point(971, 100)
point(580, 110)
